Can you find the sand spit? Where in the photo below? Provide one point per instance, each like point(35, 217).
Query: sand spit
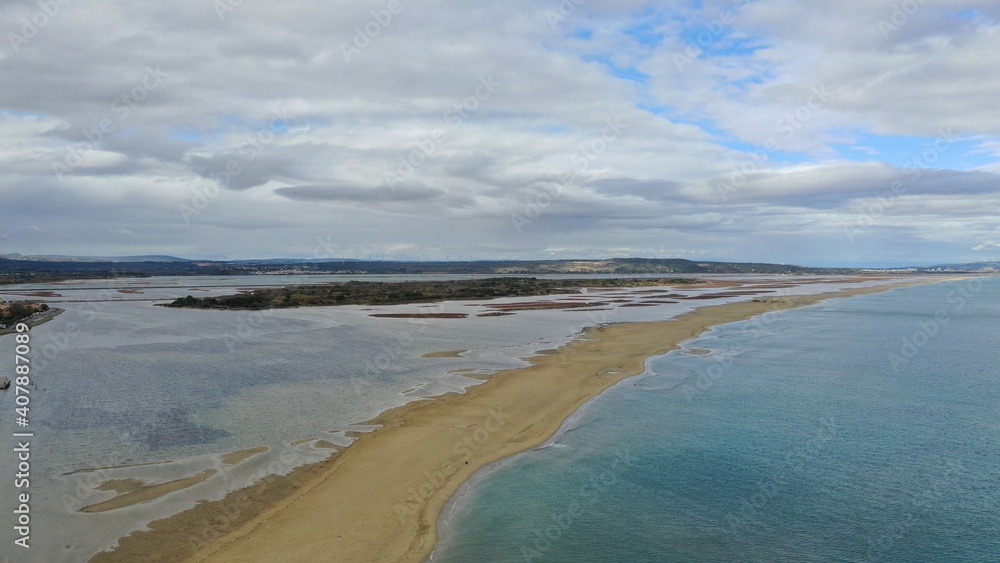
point(379, 499)
point(138, 492)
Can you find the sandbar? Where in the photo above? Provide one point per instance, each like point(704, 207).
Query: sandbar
point(380, 498)
point(420, 315)
point(137, 492)
point(93, 469)
point(445, 354)
point(234, 458)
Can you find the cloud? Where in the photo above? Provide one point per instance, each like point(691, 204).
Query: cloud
point(359, 194)
point(808, 111)
point(988, 245)
point(647, 189)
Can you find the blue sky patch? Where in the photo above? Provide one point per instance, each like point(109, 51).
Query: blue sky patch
point(648, 33)
point(186, 135)
point(943, 151)
point(627, 73)
point(970, 14)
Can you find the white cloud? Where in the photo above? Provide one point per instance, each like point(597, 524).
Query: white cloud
point(491, 105)
point(988, 245)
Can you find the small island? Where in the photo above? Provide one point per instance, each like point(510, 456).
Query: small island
point(399, 293)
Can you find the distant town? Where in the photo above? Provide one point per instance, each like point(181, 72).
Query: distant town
point(17, 269)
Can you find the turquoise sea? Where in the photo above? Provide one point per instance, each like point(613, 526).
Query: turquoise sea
point(859, 429)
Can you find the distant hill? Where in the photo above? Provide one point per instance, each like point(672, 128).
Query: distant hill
point(23, 269)
point(151, 258)
point(26, 271)
point(291, 261)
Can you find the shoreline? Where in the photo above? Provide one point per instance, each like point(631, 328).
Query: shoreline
point(385, 494)
point(41, 319)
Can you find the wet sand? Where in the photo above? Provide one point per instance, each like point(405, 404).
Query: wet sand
point(420, 315)
point(135, 491)
point(445, 354)
point(379, 499)
point(234, 458)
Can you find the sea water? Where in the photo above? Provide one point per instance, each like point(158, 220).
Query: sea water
point(858, 429)
point(166, 392)
point(154, 394)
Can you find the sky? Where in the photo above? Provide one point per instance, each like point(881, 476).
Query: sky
point(827, 132)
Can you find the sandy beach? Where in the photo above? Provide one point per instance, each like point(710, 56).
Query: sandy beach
point(379, 500)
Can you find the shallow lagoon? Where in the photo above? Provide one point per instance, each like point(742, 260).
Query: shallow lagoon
point(124, 382)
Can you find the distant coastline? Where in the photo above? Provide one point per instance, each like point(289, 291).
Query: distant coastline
point(16, 269)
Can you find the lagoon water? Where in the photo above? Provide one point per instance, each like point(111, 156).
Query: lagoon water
point(140, 392)
point(143, 392)
point(860, 429)
point(166, 392)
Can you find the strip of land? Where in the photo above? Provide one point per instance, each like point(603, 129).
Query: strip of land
point(39, 318)
point(398, 293)
point(234, 458)
point(134, 491)
point(379, 500)
point(445, 354)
